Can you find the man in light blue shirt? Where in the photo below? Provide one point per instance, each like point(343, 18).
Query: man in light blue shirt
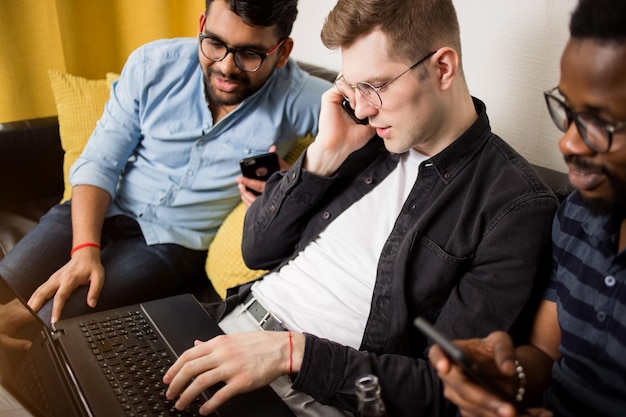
point(158, 175)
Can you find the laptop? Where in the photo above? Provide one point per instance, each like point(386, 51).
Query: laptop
point(111, 363)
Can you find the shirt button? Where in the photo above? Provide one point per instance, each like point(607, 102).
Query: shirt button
point(326, 215)
point(273, 207)
point(447, 175)
point(601, 315)
point(609, 281)
point(293, 176)
point(190, 173)
point(369, 180)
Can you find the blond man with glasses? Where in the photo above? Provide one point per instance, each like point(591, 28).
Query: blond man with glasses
point(422, 210)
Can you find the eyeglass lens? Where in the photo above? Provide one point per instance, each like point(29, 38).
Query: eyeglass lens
point(369, 94)
point(591, 130)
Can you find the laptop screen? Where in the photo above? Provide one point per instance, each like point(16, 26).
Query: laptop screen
point(28, 367)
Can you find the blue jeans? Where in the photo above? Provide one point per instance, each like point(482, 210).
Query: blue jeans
point(134, 271)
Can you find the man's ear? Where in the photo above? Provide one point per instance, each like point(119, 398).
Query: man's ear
point(448, 62)
point(284, 52)
point(201, 21)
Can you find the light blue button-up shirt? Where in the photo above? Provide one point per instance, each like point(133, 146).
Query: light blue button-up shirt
point(164, 162)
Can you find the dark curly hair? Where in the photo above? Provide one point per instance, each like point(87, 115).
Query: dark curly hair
point(281, 13)
point(603, 20)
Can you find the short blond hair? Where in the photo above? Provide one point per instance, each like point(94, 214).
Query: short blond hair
point(413, 27)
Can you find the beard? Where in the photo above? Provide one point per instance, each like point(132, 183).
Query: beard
point(616, 204)
point(603, 206)
point(228, 99)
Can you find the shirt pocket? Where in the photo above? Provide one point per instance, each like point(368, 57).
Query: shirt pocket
point(434, 272)
point(251, 138)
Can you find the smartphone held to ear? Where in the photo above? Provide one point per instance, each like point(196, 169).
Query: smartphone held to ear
point(259, 167)
point(345, 104)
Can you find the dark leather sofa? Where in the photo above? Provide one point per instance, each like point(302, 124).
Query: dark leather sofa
point(31, 173)
point(31, 176)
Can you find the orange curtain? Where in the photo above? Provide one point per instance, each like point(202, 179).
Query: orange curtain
point(85, 38)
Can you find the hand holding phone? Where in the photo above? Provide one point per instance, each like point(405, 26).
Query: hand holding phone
point(259, 167)
point(464, 361)
point(345, 104)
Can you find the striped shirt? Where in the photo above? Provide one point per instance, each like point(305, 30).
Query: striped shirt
point(589, 286)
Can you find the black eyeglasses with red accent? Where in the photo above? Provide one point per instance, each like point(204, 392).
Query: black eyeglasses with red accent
point(246, 59)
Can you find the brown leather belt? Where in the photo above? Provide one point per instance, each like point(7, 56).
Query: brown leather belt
point(264, 318)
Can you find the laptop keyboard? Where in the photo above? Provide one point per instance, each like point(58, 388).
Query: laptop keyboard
point(134, 359)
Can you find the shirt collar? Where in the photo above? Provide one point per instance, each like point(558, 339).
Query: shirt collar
point(449, 162)
point(599, 227)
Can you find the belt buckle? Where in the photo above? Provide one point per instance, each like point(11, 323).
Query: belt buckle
point(272, 323)
point(265, 319)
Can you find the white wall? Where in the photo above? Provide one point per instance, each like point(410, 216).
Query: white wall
point(511, 52)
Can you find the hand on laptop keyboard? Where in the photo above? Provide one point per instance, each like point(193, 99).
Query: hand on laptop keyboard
point(243, 362)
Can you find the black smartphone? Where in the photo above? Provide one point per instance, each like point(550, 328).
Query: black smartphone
point(464, 361)
point(345, 104)
point(259, 167)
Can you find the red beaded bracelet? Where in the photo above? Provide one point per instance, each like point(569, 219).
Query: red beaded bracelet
point(84, 245)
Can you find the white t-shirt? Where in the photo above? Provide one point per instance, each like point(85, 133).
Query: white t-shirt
point(327, 289)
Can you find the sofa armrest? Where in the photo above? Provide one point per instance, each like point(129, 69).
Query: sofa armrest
point(31, 161)
point(31, 176)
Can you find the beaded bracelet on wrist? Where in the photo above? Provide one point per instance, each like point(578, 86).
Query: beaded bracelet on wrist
point(521, 388)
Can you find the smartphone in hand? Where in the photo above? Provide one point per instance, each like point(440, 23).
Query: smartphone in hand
point(463, 360)
point(345, 104)
point(259, 167)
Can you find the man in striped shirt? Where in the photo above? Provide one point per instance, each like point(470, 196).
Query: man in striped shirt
point(577, 354)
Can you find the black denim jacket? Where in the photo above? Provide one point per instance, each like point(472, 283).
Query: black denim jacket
point(469, 246)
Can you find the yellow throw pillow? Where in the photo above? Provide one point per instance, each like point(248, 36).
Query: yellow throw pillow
point(80, 103)
point(225, 266)
point(111, 77)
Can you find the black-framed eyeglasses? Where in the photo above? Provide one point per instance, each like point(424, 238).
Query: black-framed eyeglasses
point(370, 93)
point(595, 132)
point(245, 59)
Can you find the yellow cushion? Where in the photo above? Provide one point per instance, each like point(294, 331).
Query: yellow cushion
point(80, 103)
point(110, 78)
point(225, 266)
